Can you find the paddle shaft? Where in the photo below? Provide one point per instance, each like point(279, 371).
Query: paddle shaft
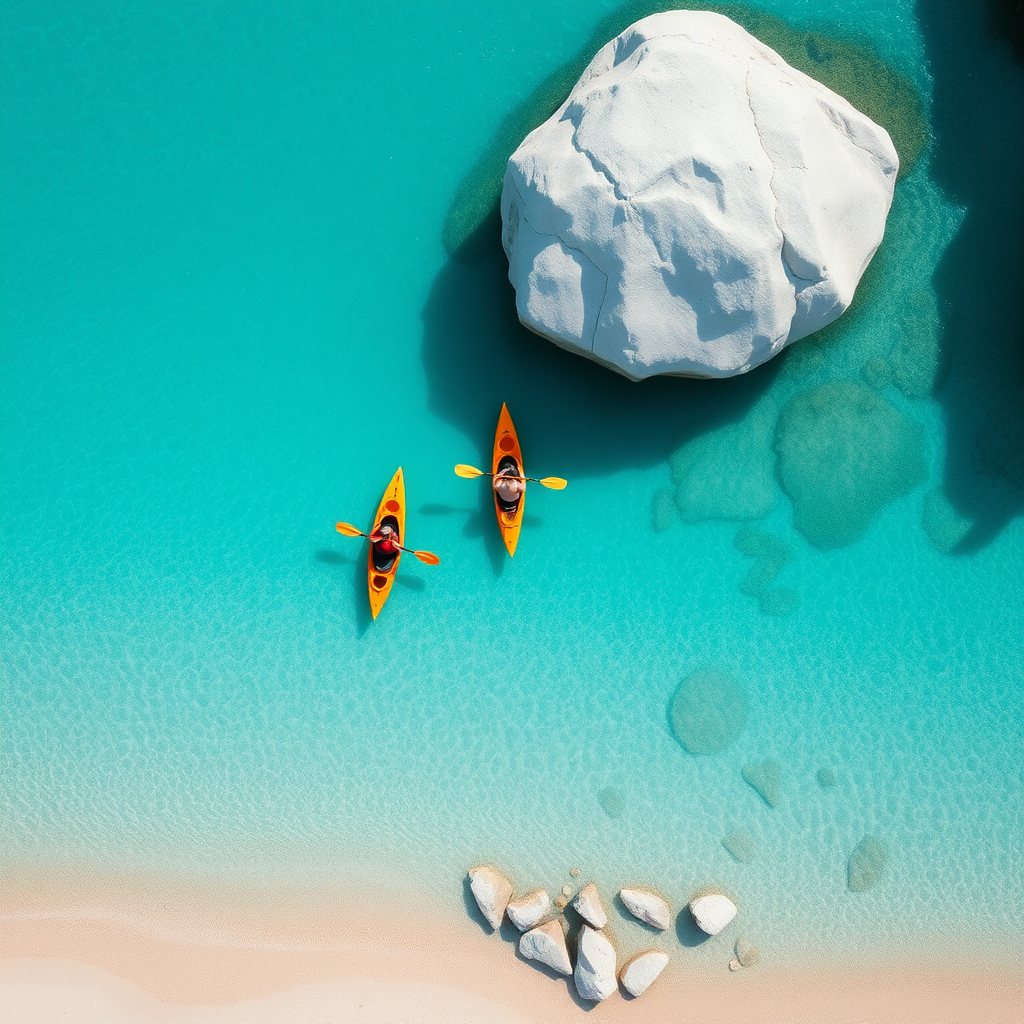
point(353, 532)
point(512, 476)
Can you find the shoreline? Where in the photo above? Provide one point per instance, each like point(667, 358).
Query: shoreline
point(101, 949)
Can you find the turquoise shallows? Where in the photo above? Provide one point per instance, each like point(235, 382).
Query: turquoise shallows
point(227, 316)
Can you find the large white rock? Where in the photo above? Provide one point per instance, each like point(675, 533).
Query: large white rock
point(492, 891)
point(588, 905)
point(595, 966)
point(648, 906)
point(712, 913)
point(546, 944)
point(526, 911)
point(695, 205)
point(638, 974)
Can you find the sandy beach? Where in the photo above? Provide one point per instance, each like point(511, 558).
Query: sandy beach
point(112, 950)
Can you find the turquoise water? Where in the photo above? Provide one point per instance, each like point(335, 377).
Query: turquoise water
point(228, 314)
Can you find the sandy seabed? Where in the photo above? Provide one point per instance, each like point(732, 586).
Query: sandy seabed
point(120, 951)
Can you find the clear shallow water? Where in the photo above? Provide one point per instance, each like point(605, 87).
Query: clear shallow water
point(216, 219)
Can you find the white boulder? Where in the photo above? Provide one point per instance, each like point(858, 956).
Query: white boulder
point(588, 905)
point(492, 891)
point(713, 912)
point(647, 906)
point(637, 975)
point(695, 205)
point(526, 911)
point(546, 944)
point(595, 966)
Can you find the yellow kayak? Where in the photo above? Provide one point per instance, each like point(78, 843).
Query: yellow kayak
point(381, 566)
point(508, 456)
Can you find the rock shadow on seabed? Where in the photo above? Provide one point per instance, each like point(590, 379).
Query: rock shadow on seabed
point(574, 417)
point(978, 160)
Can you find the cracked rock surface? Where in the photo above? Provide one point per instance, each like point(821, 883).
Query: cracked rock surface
point(695, 205)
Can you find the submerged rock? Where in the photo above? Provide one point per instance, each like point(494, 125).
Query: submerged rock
point(943, 524)
point(844, 454)
point(826, 778)
point(708, 711)
point(866, 865)
point(648, 906)
point(746, 953)
point(766, 778)
point(741, 846)
point(595, 966)
point(546, 945)
point(712, 912)
point(779, 601)
point(695, 205)
point(588, 905)
point(527, 910)
point(612, 802)
point(492, 891)
point(663, 510)
point(639, 973)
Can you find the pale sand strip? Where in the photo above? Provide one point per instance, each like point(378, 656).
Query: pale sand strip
point(89, 954)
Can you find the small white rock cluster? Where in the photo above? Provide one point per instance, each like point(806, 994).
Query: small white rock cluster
point(543, 934)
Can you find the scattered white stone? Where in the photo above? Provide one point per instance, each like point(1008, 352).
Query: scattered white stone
point(561, 902)
point(595, 966)
point(528, 910)
point(735, 965)
point(647, 906)
point(713, 912)
point(492, 891)
point(566, 891)
point(638, 974)
point(546, 945)
point(695, 205)
point(588, 906)
point(574, 872)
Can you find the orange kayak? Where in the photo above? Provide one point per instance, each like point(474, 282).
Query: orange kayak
point(382, 567)
point(508, 455)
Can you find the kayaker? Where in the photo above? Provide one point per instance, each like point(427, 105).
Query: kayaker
point(508, 485)
point(385, 540)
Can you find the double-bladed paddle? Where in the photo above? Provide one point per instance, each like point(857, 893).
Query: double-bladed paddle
point(426, 557)
point(556, 483)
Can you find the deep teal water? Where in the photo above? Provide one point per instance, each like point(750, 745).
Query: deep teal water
point(227, 315)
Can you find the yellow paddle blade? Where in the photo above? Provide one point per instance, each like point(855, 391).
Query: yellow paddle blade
point(556, 483)
point(427, 557)
point(468, 471)
point(349, 530)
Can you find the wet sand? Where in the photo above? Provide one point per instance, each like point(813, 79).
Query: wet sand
point(93, 950)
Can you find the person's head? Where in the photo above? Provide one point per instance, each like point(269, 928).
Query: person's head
point(386, 530)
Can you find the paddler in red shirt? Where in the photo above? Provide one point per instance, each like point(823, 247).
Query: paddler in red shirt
point(385, 541)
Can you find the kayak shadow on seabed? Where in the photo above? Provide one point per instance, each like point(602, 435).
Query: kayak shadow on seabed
point(574, 417)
